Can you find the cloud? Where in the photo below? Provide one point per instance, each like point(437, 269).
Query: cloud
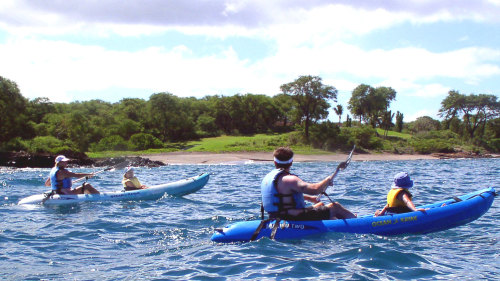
point(305, 37)
point(63, 16)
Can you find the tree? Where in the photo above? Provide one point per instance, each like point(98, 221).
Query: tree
point(311, 97)
point(339, 110)
point(169, 118)
point(286, 108)
point(475, 110)
point(424, 124)
point(386, 123)
point(12, 111)
point(399, 122)
point(370, 104)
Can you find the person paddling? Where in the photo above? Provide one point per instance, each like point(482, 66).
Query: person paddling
point(399, 199)
point(60, 179)
point(130, 182)
point(284, 194)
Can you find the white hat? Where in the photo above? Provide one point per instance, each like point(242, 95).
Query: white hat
point(61, 158)
point(129, 168)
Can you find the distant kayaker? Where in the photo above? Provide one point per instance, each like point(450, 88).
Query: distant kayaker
point(399, 199)
point(130, 182)
point(284, 194)
point(60, 179)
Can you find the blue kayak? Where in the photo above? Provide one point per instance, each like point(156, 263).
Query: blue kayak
point(455, 212)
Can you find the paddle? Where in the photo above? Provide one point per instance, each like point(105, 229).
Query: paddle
point(120, 165)
point(340, 167)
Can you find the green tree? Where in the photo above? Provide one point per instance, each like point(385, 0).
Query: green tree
point(169, 118)
point(370, 104)
point(311, 97)
point(424, 124)
point(286, 108)
point(475, 110)
point(386, 123)
point(399, 122)
point(339, 110)
point(12, 111)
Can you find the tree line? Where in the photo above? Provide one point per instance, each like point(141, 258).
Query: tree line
point(40, 125)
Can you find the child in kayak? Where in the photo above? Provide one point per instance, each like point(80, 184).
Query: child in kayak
point(399, 198)
point(130, 182)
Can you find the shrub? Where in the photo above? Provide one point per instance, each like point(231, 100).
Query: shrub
point(43, 144)
point(324, 135)
point(363, 137)
point(111, 143)
point(494, 144)
point(206, 126)
point(144, 141)
point(426, 146)
point(15, 144)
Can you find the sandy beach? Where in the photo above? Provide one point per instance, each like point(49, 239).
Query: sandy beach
point(241, 157)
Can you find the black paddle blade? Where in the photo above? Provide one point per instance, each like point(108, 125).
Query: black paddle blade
point(344, 164)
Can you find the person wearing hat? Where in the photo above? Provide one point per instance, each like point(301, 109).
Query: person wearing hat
point(284, 194)
point(130, 182)
point(399, 199)
point(60, 179)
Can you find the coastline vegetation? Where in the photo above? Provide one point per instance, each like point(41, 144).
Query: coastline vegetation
point(297, 117)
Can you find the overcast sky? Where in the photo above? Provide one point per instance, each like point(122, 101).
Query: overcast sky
point(113, 49)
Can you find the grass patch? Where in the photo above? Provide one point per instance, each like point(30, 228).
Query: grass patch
point(259, 142)
point(393, 134)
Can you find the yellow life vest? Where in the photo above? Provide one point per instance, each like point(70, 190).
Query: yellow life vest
point(392, 199)
point(135, 181)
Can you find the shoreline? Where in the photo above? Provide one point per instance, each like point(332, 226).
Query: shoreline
point(241, 157)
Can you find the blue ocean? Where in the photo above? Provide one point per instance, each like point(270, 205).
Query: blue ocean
point(169, 238)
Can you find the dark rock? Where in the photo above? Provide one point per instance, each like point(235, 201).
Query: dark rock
point(26, 160)
point(127, 161)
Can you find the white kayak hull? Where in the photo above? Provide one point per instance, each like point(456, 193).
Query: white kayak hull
point(177, 188)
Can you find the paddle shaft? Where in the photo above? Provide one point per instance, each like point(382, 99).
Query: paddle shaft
point(117, 166)
point(340, 167)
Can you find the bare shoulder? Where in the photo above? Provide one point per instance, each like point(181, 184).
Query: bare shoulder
point(290, 179)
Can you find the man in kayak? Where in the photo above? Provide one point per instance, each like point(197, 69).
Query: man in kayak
point(399, 198)
point(284, 194)
point(60, 179)
point(130, 182)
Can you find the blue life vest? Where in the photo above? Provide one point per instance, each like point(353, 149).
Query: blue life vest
point(272, 200)
point(58, 184)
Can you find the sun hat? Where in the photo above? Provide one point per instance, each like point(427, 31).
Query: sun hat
point(61, 158)
point(402, 180)
point(128, 169)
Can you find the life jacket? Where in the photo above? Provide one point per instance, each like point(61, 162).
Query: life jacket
point(392, 199)
point(58, 184)
point(134, 180)
point(272, 200)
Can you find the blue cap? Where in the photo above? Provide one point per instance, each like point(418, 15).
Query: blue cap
point(402, 180)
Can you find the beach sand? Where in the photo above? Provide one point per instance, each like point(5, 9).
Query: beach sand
point(242, 157)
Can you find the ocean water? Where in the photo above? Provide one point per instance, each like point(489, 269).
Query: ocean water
point(169, 238)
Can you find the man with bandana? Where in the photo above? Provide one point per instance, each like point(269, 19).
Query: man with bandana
point(284, 194)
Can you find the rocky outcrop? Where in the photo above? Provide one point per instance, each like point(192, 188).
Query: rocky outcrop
point(26, 160)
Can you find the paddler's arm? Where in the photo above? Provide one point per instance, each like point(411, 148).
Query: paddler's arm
point(47, 182)
point(298, 185)
point(409, 203)
point(381, 213)
point(68, 174)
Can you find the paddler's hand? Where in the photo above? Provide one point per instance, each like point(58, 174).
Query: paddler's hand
point(330, 181)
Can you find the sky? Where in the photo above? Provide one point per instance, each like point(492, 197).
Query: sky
point(114, 49)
